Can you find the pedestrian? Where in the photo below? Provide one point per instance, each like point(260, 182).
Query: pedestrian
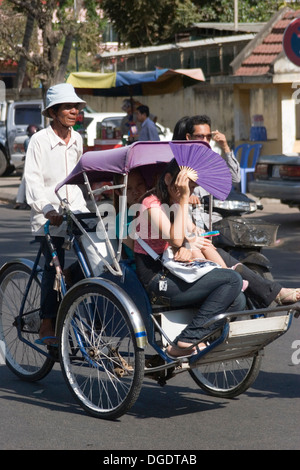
point(129, 124)
point(52, 154)
point(148, 129)
point(21, 194)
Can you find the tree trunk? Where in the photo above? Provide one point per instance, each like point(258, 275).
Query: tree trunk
point(26, 42)
point(64, 59)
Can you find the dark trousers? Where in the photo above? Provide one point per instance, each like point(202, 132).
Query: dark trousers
point(216, 292)
point(50, 297)
point(261, 291)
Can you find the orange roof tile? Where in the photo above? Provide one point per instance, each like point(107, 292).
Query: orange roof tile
point(273, 39)
point(257, 59)
point(263, 55)
point(244, 70)
point(268, 49)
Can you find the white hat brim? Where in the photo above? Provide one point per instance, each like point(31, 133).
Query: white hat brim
point(81, 103)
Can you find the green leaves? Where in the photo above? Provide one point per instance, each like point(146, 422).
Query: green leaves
point(249, 10)
point(148, 22)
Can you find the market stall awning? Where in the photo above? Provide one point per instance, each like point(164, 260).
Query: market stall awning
point(156, 82)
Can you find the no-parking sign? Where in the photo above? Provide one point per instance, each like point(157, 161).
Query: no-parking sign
point(291, 41)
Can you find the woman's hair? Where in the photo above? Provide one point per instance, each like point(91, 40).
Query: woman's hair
point(161, 188)
point(180, 129)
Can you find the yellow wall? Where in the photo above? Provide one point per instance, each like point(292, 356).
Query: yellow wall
point(230, 108)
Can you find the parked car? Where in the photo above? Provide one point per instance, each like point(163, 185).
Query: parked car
point(278, 177)
point(111, 121)
point(15, 117)
point(92, 121)
point(165, 134)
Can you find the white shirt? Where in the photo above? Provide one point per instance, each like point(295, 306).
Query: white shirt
point(48, 161)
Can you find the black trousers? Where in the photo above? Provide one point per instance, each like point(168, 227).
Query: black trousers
point(49, 297)
point(262, 290)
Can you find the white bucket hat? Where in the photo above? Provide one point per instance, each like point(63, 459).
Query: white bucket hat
point(59, 94)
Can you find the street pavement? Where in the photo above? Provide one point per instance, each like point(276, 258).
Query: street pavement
point(9, 187)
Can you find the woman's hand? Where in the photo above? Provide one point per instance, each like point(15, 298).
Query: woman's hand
point(183, 254)
point(55, 218)
point(181, 188)
point(194, 200)
point(198, 243)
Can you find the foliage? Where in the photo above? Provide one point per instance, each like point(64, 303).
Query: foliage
point(249, 10)
point(50, 40)
point(147, 22)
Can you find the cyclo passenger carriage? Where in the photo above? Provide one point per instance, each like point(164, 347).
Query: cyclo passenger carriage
point(109, 334)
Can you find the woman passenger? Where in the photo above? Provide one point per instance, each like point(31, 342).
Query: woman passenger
point(216, 292)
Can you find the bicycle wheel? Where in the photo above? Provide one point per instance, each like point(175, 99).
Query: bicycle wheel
point(100, 359)
point(227, 379)
point(15, 329)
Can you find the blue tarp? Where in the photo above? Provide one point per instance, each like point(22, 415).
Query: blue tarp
point(156, 82)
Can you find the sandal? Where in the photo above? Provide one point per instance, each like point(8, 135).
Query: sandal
point(290, 298)
point(47, 341)
point(186, 356)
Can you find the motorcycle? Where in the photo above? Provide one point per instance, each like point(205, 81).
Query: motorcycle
point(242, 237)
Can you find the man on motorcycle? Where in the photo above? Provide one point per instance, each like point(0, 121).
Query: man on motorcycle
point(199, 128)
point(264, 291)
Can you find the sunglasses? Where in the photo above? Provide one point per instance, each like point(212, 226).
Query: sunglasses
point(207, 137)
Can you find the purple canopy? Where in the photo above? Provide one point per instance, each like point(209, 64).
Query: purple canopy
point(101, 165)
point(150, 156)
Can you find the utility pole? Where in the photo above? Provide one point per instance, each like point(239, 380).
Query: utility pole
point(76, 46)
point(236, 14)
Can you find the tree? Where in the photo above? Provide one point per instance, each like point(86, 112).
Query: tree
point(148, 22)
point(26, 44)
point(249, 10)
point(151, 22)
point(58, 27)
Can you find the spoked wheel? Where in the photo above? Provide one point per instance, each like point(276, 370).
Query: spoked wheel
point(100, 359)
point(18, 332)
point(227, 379)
